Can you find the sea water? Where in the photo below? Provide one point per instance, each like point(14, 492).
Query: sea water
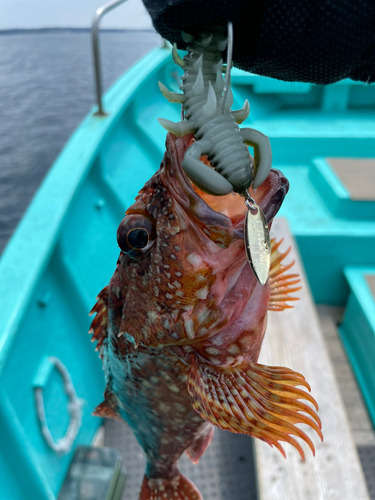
point(46, 89)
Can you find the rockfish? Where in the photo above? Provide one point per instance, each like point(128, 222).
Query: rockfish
point(180, 326)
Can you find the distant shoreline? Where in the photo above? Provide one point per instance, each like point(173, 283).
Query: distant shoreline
point(37, 31)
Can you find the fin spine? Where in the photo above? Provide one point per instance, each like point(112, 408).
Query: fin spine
point(100, 322)
point(281, 284)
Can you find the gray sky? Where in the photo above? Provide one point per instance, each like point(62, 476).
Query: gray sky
point(70, 13)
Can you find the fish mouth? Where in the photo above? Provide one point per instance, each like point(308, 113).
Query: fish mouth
point(224, 213)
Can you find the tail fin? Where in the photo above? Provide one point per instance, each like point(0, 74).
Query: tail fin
point(178, 488)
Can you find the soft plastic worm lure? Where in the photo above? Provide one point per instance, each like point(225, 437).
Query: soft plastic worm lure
point(207, 106)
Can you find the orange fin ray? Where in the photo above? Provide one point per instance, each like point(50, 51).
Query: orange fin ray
point(277, 372)
point(274, 417)
point(282, 297)
point(277, 257)
point(279, 269)
point(286, 289)
point(285, 388)
point(270, 436)
point(289, 279)
point(294, 417)
point(239, 409)
point(281, 284)
point(275, 245)
point(253, 399)
point(279, 306)
point(267, 421)
point(278, 375)
point(286, 403)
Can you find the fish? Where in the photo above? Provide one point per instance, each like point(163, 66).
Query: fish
point(180, 326)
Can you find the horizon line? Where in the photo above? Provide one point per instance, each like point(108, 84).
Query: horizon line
point(14, 31)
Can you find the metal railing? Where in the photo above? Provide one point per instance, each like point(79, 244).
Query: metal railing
point(95, 46)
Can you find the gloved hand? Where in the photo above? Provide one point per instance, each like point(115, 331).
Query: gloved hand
point(316, 41)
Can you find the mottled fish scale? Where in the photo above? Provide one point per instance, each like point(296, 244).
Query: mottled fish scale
point(180, 326)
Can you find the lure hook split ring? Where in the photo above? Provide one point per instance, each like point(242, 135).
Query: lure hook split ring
point(249, 201)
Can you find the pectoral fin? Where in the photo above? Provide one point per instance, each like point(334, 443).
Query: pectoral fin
point(253, 399)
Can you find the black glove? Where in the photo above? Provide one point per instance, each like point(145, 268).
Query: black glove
point(316, 41)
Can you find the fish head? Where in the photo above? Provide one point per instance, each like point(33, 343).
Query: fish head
point(182, 276)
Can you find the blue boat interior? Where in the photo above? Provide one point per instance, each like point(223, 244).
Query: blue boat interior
point(64, 250)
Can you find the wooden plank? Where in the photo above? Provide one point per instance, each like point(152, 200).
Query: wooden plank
point(357, 175)
point(370, 278)
point(294, 339)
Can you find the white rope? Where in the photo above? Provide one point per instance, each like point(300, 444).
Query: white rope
point(64, 444)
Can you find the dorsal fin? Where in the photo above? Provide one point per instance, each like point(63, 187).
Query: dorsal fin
point(100, 322)
point(281, 284)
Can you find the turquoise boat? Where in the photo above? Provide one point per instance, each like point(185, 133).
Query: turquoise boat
point(64, 250)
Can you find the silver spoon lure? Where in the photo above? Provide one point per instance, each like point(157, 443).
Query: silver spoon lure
point(256, 231)
point(257, 239)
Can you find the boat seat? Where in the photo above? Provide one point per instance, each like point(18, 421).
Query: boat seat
point(357, 175)
point(294, 339)
point(347, 185)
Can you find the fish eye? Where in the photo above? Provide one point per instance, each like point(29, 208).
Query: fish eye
point(136, 235)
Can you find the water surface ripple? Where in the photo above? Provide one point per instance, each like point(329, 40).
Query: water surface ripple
point(46, 89)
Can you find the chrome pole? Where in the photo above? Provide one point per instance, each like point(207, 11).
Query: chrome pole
point(229, 63)
point(96, 52)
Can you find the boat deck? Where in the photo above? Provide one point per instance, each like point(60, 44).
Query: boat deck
point(360, 423)
point(225, 472)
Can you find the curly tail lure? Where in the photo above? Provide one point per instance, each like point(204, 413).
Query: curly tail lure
point(206, 111)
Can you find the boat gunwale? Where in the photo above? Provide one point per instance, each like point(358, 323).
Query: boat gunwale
point(25, 258)
point(356, 278)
